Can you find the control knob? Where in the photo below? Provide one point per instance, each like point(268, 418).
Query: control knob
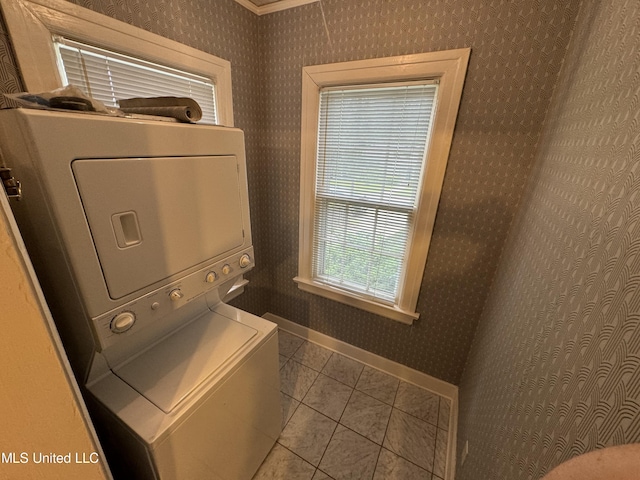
point(226, 269)
point(211, 277)
point(176, 294)
point(122, 322)
point(245, 260)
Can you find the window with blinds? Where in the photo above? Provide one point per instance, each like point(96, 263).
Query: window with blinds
point(370, 161)
point(109, 76)
point(375, 141)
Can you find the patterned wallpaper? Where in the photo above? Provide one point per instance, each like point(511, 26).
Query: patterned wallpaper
point(517, 49)
point(555, 366)
point(10, 81)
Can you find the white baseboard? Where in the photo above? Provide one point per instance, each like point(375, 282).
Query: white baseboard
point(403, 372)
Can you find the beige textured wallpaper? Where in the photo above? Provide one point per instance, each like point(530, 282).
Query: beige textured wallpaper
point(555, 367)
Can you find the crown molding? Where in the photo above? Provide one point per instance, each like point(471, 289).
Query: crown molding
point(273, 7)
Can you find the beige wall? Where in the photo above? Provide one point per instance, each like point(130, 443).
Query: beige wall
point(40, 411)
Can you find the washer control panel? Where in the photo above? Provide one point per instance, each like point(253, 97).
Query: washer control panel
point(133, 316)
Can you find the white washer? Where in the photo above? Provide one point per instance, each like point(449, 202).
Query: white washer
point(199, 404)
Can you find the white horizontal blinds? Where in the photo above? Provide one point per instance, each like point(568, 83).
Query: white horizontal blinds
point(109, 76)
point(371, 150)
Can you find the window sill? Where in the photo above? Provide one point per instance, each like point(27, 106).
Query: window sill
point(353, 300)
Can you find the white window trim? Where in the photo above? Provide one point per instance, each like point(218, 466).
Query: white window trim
point(450, 68)
point(32, 24)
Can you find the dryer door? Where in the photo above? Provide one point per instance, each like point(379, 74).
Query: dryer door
point(153, 218)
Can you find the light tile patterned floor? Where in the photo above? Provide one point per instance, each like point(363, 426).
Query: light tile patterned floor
point(344, 420)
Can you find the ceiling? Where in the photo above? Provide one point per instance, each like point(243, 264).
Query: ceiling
point(262, 7)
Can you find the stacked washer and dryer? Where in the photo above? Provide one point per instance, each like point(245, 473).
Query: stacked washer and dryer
point(138, 230)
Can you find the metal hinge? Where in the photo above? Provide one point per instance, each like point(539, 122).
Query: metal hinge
point(11, 185)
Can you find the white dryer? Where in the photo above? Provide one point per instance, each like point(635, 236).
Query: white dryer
point(138, 230)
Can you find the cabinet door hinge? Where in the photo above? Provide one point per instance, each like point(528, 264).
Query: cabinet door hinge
point(11, 185)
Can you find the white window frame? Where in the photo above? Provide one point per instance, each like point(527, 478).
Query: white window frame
point(449, 67)
point(33, 23)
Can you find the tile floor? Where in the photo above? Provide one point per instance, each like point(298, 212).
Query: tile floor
point(344, 420)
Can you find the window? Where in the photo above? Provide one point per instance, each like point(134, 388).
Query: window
point(108, 76)
point(375, 140)
point(34, 26)
point(371, 145)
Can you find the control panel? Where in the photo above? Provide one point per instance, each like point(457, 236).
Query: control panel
point(137, 314)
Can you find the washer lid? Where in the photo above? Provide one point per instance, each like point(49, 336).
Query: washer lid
point(167, 372)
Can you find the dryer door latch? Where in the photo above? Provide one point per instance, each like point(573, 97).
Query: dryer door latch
point(11, 185)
